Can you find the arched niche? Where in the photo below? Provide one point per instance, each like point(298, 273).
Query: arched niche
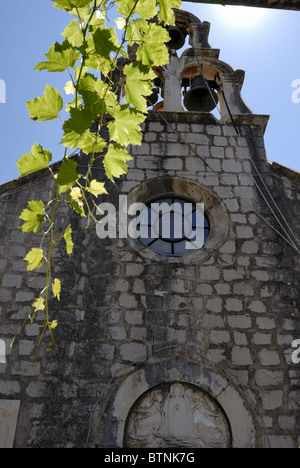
point(177, 414)
point(113, 412)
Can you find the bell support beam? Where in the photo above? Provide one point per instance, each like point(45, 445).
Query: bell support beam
point(274, 4)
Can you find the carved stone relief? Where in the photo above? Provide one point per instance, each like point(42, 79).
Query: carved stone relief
point(177, 415)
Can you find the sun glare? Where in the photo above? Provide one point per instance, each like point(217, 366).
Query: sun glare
point(242, 16)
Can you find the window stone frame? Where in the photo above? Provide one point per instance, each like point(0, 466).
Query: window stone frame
point(188, 189)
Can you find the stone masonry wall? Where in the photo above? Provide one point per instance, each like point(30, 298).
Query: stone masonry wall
point(236, 304)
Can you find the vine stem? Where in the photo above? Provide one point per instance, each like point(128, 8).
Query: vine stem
point(49, 273)
point(49, 258)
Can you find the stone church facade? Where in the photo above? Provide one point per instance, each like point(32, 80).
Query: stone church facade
point(162, 349)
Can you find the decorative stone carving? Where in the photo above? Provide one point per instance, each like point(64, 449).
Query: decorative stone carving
point(177, 415)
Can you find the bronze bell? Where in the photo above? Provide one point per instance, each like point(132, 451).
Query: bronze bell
point(199, 98)
point(177, 37)
point(153, 98)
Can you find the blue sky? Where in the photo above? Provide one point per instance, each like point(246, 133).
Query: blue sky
point(267, 48)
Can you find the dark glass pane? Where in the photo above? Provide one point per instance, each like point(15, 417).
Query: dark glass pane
point(173, 226)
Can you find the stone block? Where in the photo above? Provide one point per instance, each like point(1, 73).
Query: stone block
point(234, 305)
point(127, 301)
point(269, 358)
point(240, 339)
point(220, 141)
point(9, 388)
point(26, 347)
point(241, 356)
point(269, 378)
point(219, 337)
point(211, 321)
point(139, 334)
point(12, 281)
point(243, 289)
point(217, 152)
point(287, 422)
point(265, 323)
point(240, 321)
point(222, 289)
point(250, 247)
point(209, 273)
point(25, 296)
point(116, 333)
point(262, 338)
point(260, 275)
point(258, 307)
point(244, 232)
point(272, 400)
point(134, 317)
point(229, 165)
point(214, 305)
point(134, 269)
point(173, 164)
point(231, 275)
point(139, 287)
point(133, 351)
point(282, 442)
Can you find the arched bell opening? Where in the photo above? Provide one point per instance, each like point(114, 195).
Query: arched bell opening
point(156, 99)
point(201, 90)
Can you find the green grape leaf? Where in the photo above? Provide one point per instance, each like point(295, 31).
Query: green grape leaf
point(138, 84)
point(35, 259)
point(90, 143)
point(68, 5)
point(105, 41)
point(99, 47)
point(166, 13)
point(76, 201)
point(68, 240)
point(34, 216)
point(74, 34)
point(125, 128)
point(38, 159)
point(60, 57)
point(153, 51)
point(46, 107)
point(75, 128)
point(135, 30)
point(67, 175)
point(98, 19)
point(39, 304)
point(145, 8)
point(125, 7)
point(114, 161)
point(56, 289)
point(53, 324)
point(96, 188)
point(69, 88)
point(95, 92)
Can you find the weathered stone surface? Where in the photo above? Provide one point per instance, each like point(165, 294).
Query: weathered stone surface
point(232, 305)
